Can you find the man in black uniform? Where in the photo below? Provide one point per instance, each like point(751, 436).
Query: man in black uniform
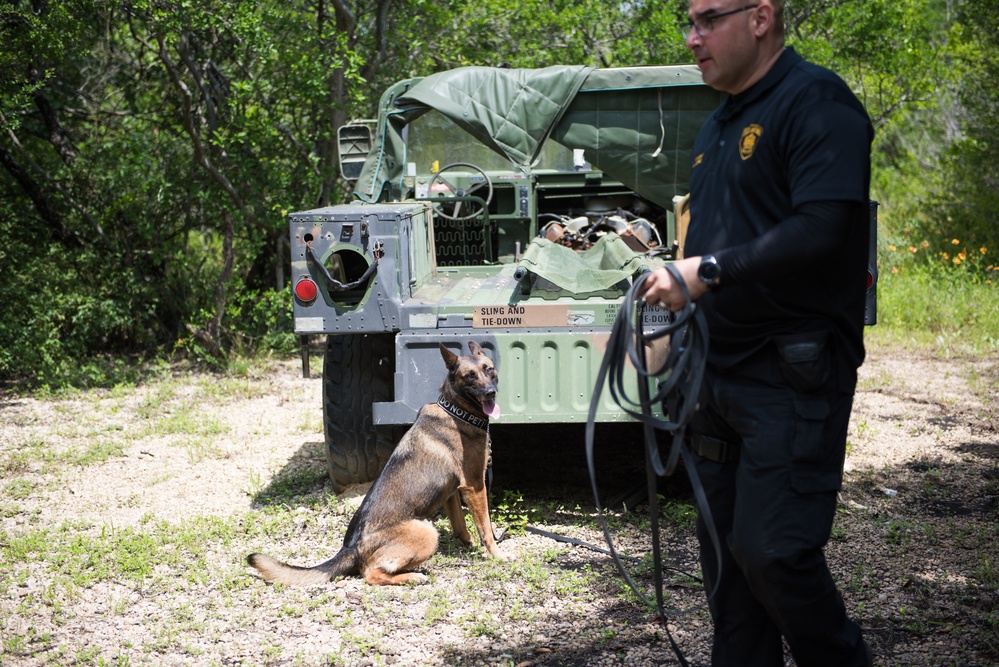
point(776, 256)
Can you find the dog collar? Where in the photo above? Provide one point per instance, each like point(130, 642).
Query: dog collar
point(463, 415)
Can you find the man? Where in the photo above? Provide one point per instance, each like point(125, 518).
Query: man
point(776, 257)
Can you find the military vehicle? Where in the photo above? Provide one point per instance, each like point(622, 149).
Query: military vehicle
point(511, 207)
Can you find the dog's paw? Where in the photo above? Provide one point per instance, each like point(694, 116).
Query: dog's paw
point(417, 579)
point(498, 555)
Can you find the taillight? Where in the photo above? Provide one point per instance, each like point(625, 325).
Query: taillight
point(870, 279)
point(306, 290)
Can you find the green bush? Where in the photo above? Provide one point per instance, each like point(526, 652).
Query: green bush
point(264, 320)
point(933, 305)
point(90, 318)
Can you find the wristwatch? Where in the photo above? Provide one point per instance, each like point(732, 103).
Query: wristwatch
point(709, 271)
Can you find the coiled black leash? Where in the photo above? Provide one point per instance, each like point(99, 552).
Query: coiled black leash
point(679, 385)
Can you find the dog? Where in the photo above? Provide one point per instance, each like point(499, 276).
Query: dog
point(444, 453)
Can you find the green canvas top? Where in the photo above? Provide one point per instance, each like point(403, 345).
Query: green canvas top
point(510, 110)
point(636, 124)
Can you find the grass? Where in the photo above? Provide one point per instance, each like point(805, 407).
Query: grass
point(96, 426)
point(160, 564)
point(949, 312)
point(182, 583)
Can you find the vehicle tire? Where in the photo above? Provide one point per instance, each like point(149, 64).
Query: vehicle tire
point(358, 370)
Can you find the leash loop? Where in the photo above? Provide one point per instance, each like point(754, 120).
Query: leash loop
point(679, 381)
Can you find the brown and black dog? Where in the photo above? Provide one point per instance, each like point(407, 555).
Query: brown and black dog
point(443, 453)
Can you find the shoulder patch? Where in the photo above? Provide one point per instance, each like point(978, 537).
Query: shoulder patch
point(698, 159)
point(750, 137)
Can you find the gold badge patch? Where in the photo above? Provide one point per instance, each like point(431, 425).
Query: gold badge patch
point(697, 160)
point(750, 137)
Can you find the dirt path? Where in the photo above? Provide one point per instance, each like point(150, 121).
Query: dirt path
point(125, 515)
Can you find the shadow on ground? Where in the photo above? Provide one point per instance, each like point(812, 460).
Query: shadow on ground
point(541, 462)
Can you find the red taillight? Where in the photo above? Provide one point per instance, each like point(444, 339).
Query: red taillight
point(870, 279)
point(306, 290)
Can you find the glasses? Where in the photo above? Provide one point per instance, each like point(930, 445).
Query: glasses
point(703, 25)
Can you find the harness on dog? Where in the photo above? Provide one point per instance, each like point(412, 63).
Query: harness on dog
point(679, 384)
point(463, 414)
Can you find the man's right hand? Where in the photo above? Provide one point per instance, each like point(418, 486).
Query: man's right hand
point(663, 291)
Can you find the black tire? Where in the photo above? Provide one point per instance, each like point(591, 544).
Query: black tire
point(358, 370)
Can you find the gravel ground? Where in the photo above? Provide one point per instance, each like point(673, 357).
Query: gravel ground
point(125, 516)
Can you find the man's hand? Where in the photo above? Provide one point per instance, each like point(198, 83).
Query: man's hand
point(661, 290)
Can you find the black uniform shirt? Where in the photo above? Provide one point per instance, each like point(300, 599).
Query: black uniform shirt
point(779, 194)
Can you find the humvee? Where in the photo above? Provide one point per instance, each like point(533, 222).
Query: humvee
point(512, 207)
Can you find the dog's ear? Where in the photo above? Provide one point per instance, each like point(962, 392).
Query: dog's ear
point(474, 348)
point(450, 358)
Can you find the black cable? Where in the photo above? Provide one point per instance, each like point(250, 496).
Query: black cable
point(333, 282)
point(572, 540)
point(680, 378)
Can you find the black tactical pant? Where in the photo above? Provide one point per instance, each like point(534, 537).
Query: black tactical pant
point(770, 457)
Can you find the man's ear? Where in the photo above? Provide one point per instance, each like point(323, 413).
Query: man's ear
point(763, 19)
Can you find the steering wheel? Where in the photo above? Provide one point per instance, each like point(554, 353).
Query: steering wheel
point(452, 210)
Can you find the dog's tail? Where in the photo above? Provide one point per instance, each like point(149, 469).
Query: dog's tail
point(274, 571)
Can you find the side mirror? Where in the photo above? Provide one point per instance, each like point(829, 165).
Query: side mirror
point(354, 143)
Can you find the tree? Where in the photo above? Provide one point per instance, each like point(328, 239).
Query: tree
point(970, 196)
point(150, 150)
point(888, 50)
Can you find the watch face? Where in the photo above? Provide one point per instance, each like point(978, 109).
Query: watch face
point(709, 271)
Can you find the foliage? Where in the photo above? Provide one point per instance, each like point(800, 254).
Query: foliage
point(889, 50)
point(936, 175)
point(151, 150)
point(538, 33)
point(512, 512)
point(127, 150)
point(970, 196)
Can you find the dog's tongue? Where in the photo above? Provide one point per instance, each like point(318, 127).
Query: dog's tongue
point(491, 408)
